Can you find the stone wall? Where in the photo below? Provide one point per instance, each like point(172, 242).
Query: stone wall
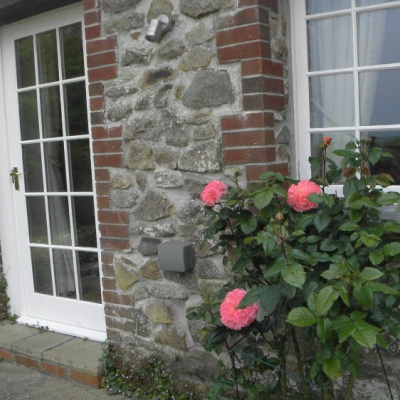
point(206, 101)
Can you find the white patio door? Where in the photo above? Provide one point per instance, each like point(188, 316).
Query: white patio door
point(50, 173)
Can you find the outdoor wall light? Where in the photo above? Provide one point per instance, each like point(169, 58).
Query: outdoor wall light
point(158, 27)
point(176, 256)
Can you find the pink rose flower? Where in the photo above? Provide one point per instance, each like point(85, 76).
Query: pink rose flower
point(326, 140)
point(213, 192)
point(297, 195)
point(235, 318)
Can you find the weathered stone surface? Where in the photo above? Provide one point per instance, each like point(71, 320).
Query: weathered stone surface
point(195, 59)
point(117, 6)
point(159, 313)
point(199, 8)
point(172, 49)
point(187, 279)
point(282, 153)
point(141, 180)
point(165, 158)
point(283, 136)
point(179, 92)
point(139, 291)
point(192, 212)
point(209, 88)
point(207, 269)
point(199, 117)
point(175, 132)
point(151, 271)
point(199, 34)
point(158, 230)
point(169, 179)
point(167, 290)
point(145, 128)
point(201, 158)
point(160, 98)
point(170, 337)
point(124, 22)
point(148, 246)
point(195, 185)
point(198, 364)
point(140, 321)
point(115, 92)
point(158, 7)
point(279, 49)
point(139, 156)
point(142, 104)
point(185, 229)
point(153, 76)
point(142, 124)
point(131, 57)
point(128, 262)
point(153, 206)
point(120, 181)
point(204, 132)
point(123, 198)
point(125, 276)
point(119, 112)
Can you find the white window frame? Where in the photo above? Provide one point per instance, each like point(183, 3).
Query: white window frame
point(301, 93)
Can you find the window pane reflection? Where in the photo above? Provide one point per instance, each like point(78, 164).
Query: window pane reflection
point(331, 101)
point(51, 112)
point(55, 167)
point(64, 273)
point(37, 219)
point(32, 159)
point(47, 56)
point(85, 227)
point(41, 271)
point(380, 97)
point(89, 276)
point(28, 115)
point(72, 51)
point(320, 6)
point(81, 171)
point(372, 2)
point(59, 220)
point(330, 47)
point(378, 37)
point(390, 142)
point(75, 104)
point(25, 62)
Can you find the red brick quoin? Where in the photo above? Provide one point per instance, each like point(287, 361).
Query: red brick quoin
point(248, 138)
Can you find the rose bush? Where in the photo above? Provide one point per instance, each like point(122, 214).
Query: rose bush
point(322, 268)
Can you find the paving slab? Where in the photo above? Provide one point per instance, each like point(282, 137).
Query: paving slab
point(12, 333)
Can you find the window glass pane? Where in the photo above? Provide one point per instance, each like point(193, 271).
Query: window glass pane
point(59, 220)
point(320, 6)
point(390, 142)
point(378, 37)
point(330, 44)
point(85, 227)
point(339, 141)
point(81, 171)
point(55, 167)
point(332, 101)
point(41, 271)
point(89, 276)
point(25, 62)
point(32, 167)
point(371, 2)
point(75, 104)
point(28, 115)
point(37, 219)
point(380, 97)
point(47, 56)
point(51, 112)
point(72, 51)
point(64, 273)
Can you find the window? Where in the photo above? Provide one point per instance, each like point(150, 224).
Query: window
point(346, 60)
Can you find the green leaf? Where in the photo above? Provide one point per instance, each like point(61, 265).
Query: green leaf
point(370, 274)
point(348, 227)
point(275, 269)
point(252, 296)
point(301, 317)
point(322, 221)
point(331, 367)
point(249, 226)
point(269, 297)
point(365, 337)
point(343, 294)
point(374, 155)
point(346, 331)
point(392, 226)
point(387, 199)
point(364, 296)
point(380, 287)
point(325, 299)
point(376, 257)
point(324, 329)
point(262, 199)
point(294, 275)
point(304, 221)
point(356, 215)
point(300, 255)
point(391, 249)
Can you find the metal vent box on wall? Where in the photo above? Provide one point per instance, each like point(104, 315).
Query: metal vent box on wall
point(176, 256)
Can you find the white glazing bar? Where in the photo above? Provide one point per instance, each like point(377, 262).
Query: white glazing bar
point(355, 73)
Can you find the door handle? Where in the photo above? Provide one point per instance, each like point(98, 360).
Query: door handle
point(15, 176)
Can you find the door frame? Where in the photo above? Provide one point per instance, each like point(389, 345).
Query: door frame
point(9, 235)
